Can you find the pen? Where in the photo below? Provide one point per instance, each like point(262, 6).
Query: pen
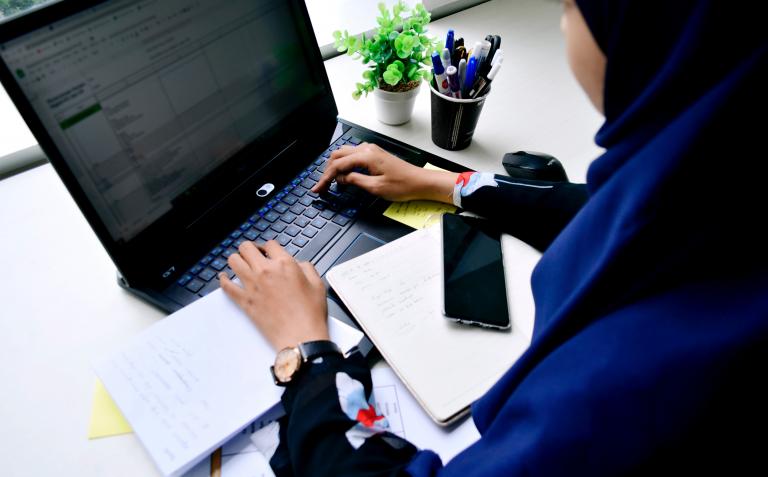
point(462, 73)
point(497, 57)
point(469, 77)
point(440, 80)
point(485, 48)
point(446, 58)
point(476, 52)
point(449, 41)
point(483, 84)
point(459, 53)
point(453, 81)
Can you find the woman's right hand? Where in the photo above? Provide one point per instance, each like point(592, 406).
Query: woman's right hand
point(388, 176)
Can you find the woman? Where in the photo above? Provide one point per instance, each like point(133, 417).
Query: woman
point(651, 332)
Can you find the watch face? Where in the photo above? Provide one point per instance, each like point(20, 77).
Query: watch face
point(287, 363)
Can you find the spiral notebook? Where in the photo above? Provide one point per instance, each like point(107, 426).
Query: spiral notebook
point(394, 292)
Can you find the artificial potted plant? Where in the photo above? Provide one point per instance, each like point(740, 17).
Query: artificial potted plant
point(398, 56)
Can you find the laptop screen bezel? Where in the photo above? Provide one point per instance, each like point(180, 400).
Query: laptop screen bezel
point(162, 251)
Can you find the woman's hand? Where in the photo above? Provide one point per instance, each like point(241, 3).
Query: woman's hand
point(388, 176)
point(284, 299)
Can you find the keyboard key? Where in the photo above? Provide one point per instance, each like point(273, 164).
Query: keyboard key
point(281, 208)
point(269, 235)
point(341, 220)
point(327, 214)
point(303, 175)
point(315, 176)
point(297, 209)
point(299, 191)
point(237, 233)
point(209, 288)
point(195, 270)
point(206, 260)
point(254, 218)
point(292, 249)
point(301, 222)
point(327, 154)
point(350, 213)
point(271, 216)
point(290, 199)
point(322, 167)
point(263, 211)
point(186, 278)
point(300, 241)
point(308, 183)
point(280, 195)
point(226, 243)
point(283, 240)
point(229, 272)
point(318, 222)
point(278, 226)
point(292, 230)
point(251, 234)
point(219, 264)
point(216, 251)
point(311, 212)
point(319, 161)
point(316, 244)
point(355, 140)
point(271, 203)
point(261, 225)
point(314, 195)
point(207, 274)
point(195, 285)
point(228, 252)
point(306, 200)
point(309, 232)
point(288, 217)
point(239, 242)
point(244, 227)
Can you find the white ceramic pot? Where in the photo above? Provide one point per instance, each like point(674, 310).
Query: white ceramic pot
point(395, 108)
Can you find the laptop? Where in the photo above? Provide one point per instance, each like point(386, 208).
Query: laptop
point(183, 127)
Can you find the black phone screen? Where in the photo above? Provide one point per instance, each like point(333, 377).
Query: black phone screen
point(473, 272)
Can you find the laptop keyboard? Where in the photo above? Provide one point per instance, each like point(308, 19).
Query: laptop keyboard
point(302, 221)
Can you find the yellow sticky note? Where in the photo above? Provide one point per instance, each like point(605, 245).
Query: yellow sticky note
point(419, 213)
point(106, 419)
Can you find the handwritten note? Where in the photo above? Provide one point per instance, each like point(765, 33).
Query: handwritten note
point(196, 378)
point(106, 419)
point(395, 294)
point(419, 213)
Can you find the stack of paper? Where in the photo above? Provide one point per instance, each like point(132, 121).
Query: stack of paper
point(193, 380)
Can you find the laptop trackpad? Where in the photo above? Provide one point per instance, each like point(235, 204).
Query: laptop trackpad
point(363, 243)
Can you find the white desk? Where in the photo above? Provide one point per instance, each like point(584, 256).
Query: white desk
point(60, 306)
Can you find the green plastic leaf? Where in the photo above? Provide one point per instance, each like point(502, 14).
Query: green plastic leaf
point(397, 64)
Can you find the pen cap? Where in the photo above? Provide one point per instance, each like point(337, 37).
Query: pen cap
point(437, 64)
point(494, 71)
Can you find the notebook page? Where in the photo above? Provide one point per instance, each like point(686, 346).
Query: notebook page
point(395, 294)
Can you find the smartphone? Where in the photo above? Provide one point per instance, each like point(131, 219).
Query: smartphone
point(474, 289)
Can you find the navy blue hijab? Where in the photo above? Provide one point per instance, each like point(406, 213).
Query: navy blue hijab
point(650, 345)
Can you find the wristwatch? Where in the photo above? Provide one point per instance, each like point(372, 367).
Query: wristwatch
point(289, 361)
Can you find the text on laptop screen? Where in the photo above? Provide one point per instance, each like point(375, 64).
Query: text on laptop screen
point(144, 98)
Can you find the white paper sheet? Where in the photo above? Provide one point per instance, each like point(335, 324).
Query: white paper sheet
point(195, 379)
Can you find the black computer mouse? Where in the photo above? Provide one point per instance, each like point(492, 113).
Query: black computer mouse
point(533, 165)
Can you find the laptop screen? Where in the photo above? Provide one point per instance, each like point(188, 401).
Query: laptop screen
point(144, 98)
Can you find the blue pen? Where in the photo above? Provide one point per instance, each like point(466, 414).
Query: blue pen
point(469, 78)
point(440, 79)
point(449, 41)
